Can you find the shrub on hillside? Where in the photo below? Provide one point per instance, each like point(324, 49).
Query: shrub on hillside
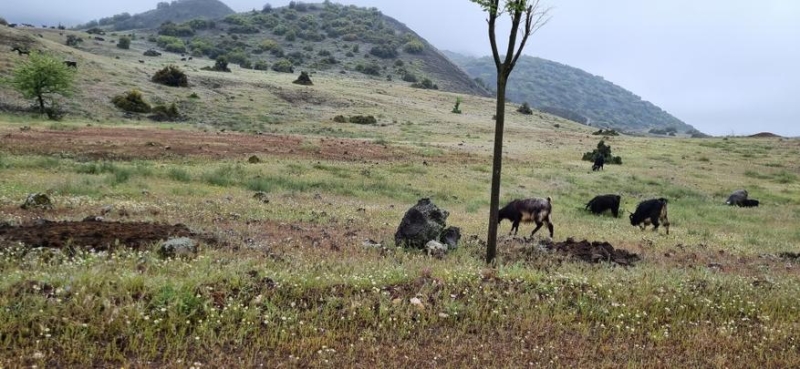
point(383, 51)
point(220, 65)
point(261, 65)
point(363, 119)
point(414, 47)
point(426, 84)
point(340, 119)
point(124, 43)
point(602, 150)
point(169, 28)
point(131, 101)
point(3, 21)
point(525, 108)
point(283, 66)
point(410, 77)
point(371, 69)
point(171, 75)
point(73, 40)
point(163, 113)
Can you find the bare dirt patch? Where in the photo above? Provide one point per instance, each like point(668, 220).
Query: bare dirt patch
point(98, 143)
point(91, 234)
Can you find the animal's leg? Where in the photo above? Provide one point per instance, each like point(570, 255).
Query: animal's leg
point(538, 225)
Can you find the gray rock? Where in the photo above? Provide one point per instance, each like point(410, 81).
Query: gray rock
point(422, 223)
point(371, 243)
point(178, 247)
point(37, 201)
point(435, 248)
point(261, 196)
point(450, 237)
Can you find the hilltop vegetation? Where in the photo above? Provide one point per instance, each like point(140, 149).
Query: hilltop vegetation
point(310, 36)
point(574, 94)
point(175, 11)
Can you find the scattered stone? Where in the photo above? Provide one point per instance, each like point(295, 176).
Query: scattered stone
point(105, 210)
point(436, 249)
point(450, 237)
point(178, 247)
point(261, 196)
point(304, 79)
point(371, 243)
point(417, 302)
point(93, 218)
point(37, 201)
point(152, 52)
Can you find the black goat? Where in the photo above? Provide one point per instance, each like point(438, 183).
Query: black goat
point(653, 211)
point(598, 163)
point(601, 203)
point(528, 210)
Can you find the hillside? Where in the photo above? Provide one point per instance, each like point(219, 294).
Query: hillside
point(176, 11)
point(310, 37)
point(573, 93)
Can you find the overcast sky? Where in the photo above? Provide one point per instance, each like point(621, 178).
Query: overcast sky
point(723, 66)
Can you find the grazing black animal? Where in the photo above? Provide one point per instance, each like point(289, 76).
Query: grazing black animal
point(183, 59)
point(601, 203)
point(141, 61)
point(71, 63)
point(653, 211)
point(737, 198)
point(598, 163)
point(528, 210)
point(21, 50)
point(749, 203)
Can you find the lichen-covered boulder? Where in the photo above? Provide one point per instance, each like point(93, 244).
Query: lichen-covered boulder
point(422, 223)
point(37, 201)
point(178, 247)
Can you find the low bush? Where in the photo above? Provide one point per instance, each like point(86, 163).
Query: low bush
point(363, 119)
point(171, 75)
point(525, 108)
point(283, 66)
point(131, 101)
point(163, 113)
point(124, 43)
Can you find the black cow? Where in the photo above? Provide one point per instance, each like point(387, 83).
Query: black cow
point(598, 163)
point(653, 211)
point(71, 63)
point(601, 203)
point(737, 198)
point(749, 203)
point(528, 210)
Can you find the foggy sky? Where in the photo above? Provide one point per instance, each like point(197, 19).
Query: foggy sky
point(723, 66)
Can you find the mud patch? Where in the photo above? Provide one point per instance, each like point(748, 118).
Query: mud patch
point(593, 252)
point(530, 250)
point(90, 234)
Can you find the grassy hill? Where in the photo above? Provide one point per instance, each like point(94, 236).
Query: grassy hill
point(175, 11)
point(573, 93)
point(311, 37)
point(287, 272)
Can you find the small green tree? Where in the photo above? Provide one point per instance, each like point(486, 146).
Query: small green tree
point(41, 77)
point(124, 43)
point(457, 109)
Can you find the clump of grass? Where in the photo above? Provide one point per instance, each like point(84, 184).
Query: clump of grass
point(180, 175)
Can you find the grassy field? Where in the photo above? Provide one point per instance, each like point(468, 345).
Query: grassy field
point(288, 283)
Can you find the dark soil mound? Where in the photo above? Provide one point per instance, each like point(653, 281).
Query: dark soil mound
point(90, 234)
point(593, 252)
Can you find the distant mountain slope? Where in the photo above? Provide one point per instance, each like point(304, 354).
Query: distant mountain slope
point(176, 11)
point(563, 90)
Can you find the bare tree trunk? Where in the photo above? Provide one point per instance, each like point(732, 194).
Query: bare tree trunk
point(41, 104)
point(494, 203)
